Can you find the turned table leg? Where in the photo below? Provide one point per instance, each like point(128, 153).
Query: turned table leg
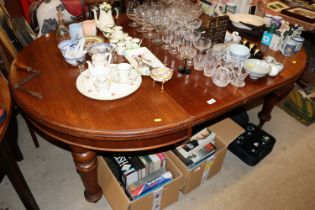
point(270, 101)
point(86, 165)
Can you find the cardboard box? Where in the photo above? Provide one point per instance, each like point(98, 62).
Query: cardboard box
point(226, 131)
point(300, 103)
point(118, 199)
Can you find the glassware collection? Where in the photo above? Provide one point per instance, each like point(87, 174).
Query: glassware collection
point(174, 26)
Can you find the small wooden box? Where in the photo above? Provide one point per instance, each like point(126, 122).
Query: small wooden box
point(215, 27)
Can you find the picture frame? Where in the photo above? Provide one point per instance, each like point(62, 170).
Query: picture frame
point(277, 6)
point(300, 13)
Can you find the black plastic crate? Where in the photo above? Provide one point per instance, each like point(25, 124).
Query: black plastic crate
point(253, 145)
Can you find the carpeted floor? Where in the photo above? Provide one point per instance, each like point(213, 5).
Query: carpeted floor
point(285, 179)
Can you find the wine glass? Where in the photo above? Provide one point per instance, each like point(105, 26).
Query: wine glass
point(194, 24)
point(190, 38)
point(131, 12)
point(148, 19)
point(140, 18)
point(157, 22)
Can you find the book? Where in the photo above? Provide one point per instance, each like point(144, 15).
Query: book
point(123, 169)
point(139, 166)
point(197, 149)
point(162, 159)
point(146, 185)
point(156, 162)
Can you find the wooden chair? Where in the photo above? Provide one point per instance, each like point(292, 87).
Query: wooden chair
point(7, 53)
point(7, 162)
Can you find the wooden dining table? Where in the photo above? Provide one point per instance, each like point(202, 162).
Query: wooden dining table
point(149, 118)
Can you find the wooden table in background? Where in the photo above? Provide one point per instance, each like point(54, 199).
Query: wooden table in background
point(149, 118)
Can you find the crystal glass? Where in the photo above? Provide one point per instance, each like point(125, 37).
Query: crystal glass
point(199, 60)
point(239, 74)
point(211, 63)
point(201, 44)
point(194, 24)
point(190, 38)
point(166, 38)
point(131, 12)
point(140, 18)
point(222, 76)
point(148, 19)
point(157, 22)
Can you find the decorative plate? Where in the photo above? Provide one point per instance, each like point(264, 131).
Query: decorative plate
point(113, 89)
point(90, 40)
point(143, 60)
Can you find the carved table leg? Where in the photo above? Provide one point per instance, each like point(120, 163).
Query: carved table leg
point(270, 101)
point(86, 165)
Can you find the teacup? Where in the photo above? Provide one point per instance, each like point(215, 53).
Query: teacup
point(136, 42)
point(102, 83)
point(120, 48)
point(117, 34)
point(123, 70)
point(89, 28)
point(75, 30)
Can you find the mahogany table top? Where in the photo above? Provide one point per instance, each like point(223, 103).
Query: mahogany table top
point(148, 118)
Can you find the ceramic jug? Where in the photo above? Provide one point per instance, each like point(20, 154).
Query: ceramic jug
point(105, 19)
point(100, 65)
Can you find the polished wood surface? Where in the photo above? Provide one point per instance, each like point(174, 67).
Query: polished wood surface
point(149, 118)
point(7, 161)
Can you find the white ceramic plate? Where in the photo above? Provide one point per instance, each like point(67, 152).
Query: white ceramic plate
point(254, 20)
point(85, 85)
point(149, 58)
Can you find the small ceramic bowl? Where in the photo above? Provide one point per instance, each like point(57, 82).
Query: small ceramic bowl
point(239, 52)
point(100, 48)
point(67, 43)
point(257, 68)
point(74, 60)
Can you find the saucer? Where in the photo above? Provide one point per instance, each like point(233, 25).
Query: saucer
point(85, 84)
point(132, 77)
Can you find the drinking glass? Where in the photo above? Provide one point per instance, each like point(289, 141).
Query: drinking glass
point(166, 38)
point(190, 38)
point(222, 76)
point(175, 42)
point(199, 60)
point(211, 63)
point(201, 44)
point(194, 24)
point(157, 22)
point(140, 18)
point(131, 12)
point(148, 19)
point(239, 74)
